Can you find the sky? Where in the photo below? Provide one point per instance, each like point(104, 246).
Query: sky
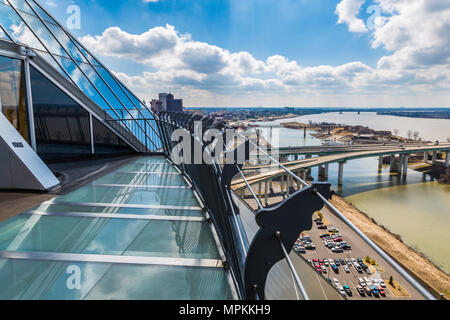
point(272, 53)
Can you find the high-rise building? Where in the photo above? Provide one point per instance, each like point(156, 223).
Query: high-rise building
point(167, 102)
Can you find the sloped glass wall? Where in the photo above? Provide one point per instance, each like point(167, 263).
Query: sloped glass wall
point(12, 94)
point(27, 22)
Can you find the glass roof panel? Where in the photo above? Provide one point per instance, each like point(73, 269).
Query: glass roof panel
point(17, 28)
point(66, 42)
point(47, 57)
point(127, 195)
point(41, 12)
point(21, 5)
point(82, 82)
point(44, 35)
point(116, 88)
point(143, 179)
point(115, 210)
point(32, 280)
point(3, 35)
point(101, 236)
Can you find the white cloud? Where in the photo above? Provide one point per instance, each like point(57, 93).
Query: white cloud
point(347, 12)
point(415, 32)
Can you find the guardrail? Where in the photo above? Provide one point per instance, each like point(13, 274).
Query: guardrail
point(251, 263)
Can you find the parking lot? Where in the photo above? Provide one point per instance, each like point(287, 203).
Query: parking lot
point(350, 251)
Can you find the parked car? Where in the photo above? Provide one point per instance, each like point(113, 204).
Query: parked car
point(341, 291)
point(368, 291)
point(346, 269)
point(336, 262)
point(336, 282)
point(348, 290)
point(361, 291)
point(362, 282)
point(382, 284)
point(335, 269)
point(337, 250)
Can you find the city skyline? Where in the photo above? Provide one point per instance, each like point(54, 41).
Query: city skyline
point(349, 53)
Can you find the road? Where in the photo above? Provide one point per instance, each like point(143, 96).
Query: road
point(270, 172)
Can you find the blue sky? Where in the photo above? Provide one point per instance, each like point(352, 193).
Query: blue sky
point(304, 32)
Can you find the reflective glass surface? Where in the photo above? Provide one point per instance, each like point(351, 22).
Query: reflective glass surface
point(129, 237)
point(17, 28)
point(106, 142)
point(12, 94)
point(127, 195)
point(33, 280)
point(33, 26)
point(62, 126)
point(133, 237)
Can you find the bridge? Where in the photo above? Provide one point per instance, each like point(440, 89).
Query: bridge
point(336, 154)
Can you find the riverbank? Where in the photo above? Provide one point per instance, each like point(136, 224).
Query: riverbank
point(430, 275)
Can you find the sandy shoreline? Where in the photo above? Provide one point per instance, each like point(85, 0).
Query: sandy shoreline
point(430, 275)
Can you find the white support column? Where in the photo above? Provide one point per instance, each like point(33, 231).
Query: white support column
point(434, 158)
point(425, 156)
point(400, 164)
point(447, 159)
point(405, 165)
point(341, 174)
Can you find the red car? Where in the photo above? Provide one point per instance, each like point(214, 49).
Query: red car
point(381, 291)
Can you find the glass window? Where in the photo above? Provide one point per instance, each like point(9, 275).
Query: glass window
point(12, 94)
point(21, 5)
point(62, 126)
point(106, 142)
point(17, 28)
point(44, 35)
point(3, 35)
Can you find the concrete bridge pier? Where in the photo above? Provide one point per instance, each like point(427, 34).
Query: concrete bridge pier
point(380, 163)
point(447, 159)
point(425, 156)
point(405, 164)
point(323, 171)
point(341, 174)
point(392, 162)
point(433, 162)
point(266, 192)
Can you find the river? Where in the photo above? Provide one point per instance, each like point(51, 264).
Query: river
point(415, 208)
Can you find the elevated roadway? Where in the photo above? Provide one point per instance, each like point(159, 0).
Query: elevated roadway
point(300, 167)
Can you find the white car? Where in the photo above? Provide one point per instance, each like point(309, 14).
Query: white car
point(362, 282)
point(341, 291)
point(376, 282)
point(366, 280)
point(346, 269)
point(336, 282)
point(382, 284)
point(353, 260)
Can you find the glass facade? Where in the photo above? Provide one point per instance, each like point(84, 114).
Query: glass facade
point(106, 142)
point(62, 126)
point(27, 22)
point(13, 93)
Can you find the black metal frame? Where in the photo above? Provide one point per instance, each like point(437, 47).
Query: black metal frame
point(249, 264)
